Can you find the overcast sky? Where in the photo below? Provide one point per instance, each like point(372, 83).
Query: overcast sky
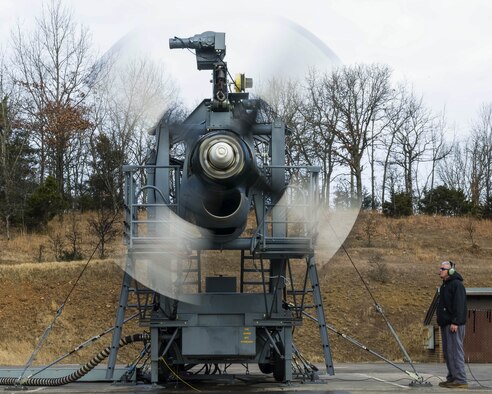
point(441, 47)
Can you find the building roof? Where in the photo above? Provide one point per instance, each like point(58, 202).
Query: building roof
point(478, 291)
point(470, 292)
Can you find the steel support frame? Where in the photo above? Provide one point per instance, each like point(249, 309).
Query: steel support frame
point(278, 264)
point(118, 326)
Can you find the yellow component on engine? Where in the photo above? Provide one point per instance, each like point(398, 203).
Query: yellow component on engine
point(241, 83)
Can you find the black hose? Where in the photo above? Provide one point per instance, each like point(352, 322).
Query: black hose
point(84, 370)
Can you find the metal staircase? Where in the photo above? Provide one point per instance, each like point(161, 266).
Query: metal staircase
point(254, 271)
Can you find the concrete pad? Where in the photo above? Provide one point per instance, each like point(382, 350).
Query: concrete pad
point(349, 378)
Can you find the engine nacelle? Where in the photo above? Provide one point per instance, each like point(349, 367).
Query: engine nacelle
point(217, 184)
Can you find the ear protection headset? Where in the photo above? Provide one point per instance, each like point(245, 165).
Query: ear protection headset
point(452, 270)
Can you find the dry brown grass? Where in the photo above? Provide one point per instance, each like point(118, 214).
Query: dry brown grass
point(31, 292)
point(30, 296)
point(42, 247)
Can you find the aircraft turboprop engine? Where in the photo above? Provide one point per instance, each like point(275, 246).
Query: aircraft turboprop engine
point(221, 170)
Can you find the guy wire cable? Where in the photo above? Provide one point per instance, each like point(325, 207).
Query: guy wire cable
point(81, 346)
point(417, 376)
point(48, 329)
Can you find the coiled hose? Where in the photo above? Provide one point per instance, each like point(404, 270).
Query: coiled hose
point(84, 370)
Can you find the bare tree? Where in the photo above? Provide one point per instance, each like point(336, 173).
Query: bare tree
point(74, 237)
point(358, 94)
point(53, 67)
point(439, 151)
point(281, 100)
point(15, 155)
point(283, 97)
point(415, 136)
point(452, 170)
point(412, 140)
point(316, 139)
point(131, 98)
point(480, 149)
point(396, 116)
point(469, 165)
point(5, 130)
point(103, 227)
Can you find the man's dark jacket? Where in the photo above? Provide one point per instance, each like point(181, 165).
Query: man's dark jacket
point(451, 307)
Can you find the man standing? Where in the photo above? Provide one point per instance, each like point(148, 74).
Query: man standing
point(451, 318)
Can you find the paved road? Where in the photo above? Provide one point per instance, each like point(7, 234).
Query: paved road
point(349, 378)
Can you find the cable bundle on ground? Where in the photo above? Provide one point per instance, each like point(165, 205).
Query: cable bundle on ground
point(84, 370)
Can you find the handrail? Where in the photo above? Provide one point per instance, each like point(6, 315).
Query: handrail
point(264, 230)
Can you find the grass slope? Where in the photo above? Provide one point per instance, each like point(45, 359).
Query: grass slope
point(397, 258)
